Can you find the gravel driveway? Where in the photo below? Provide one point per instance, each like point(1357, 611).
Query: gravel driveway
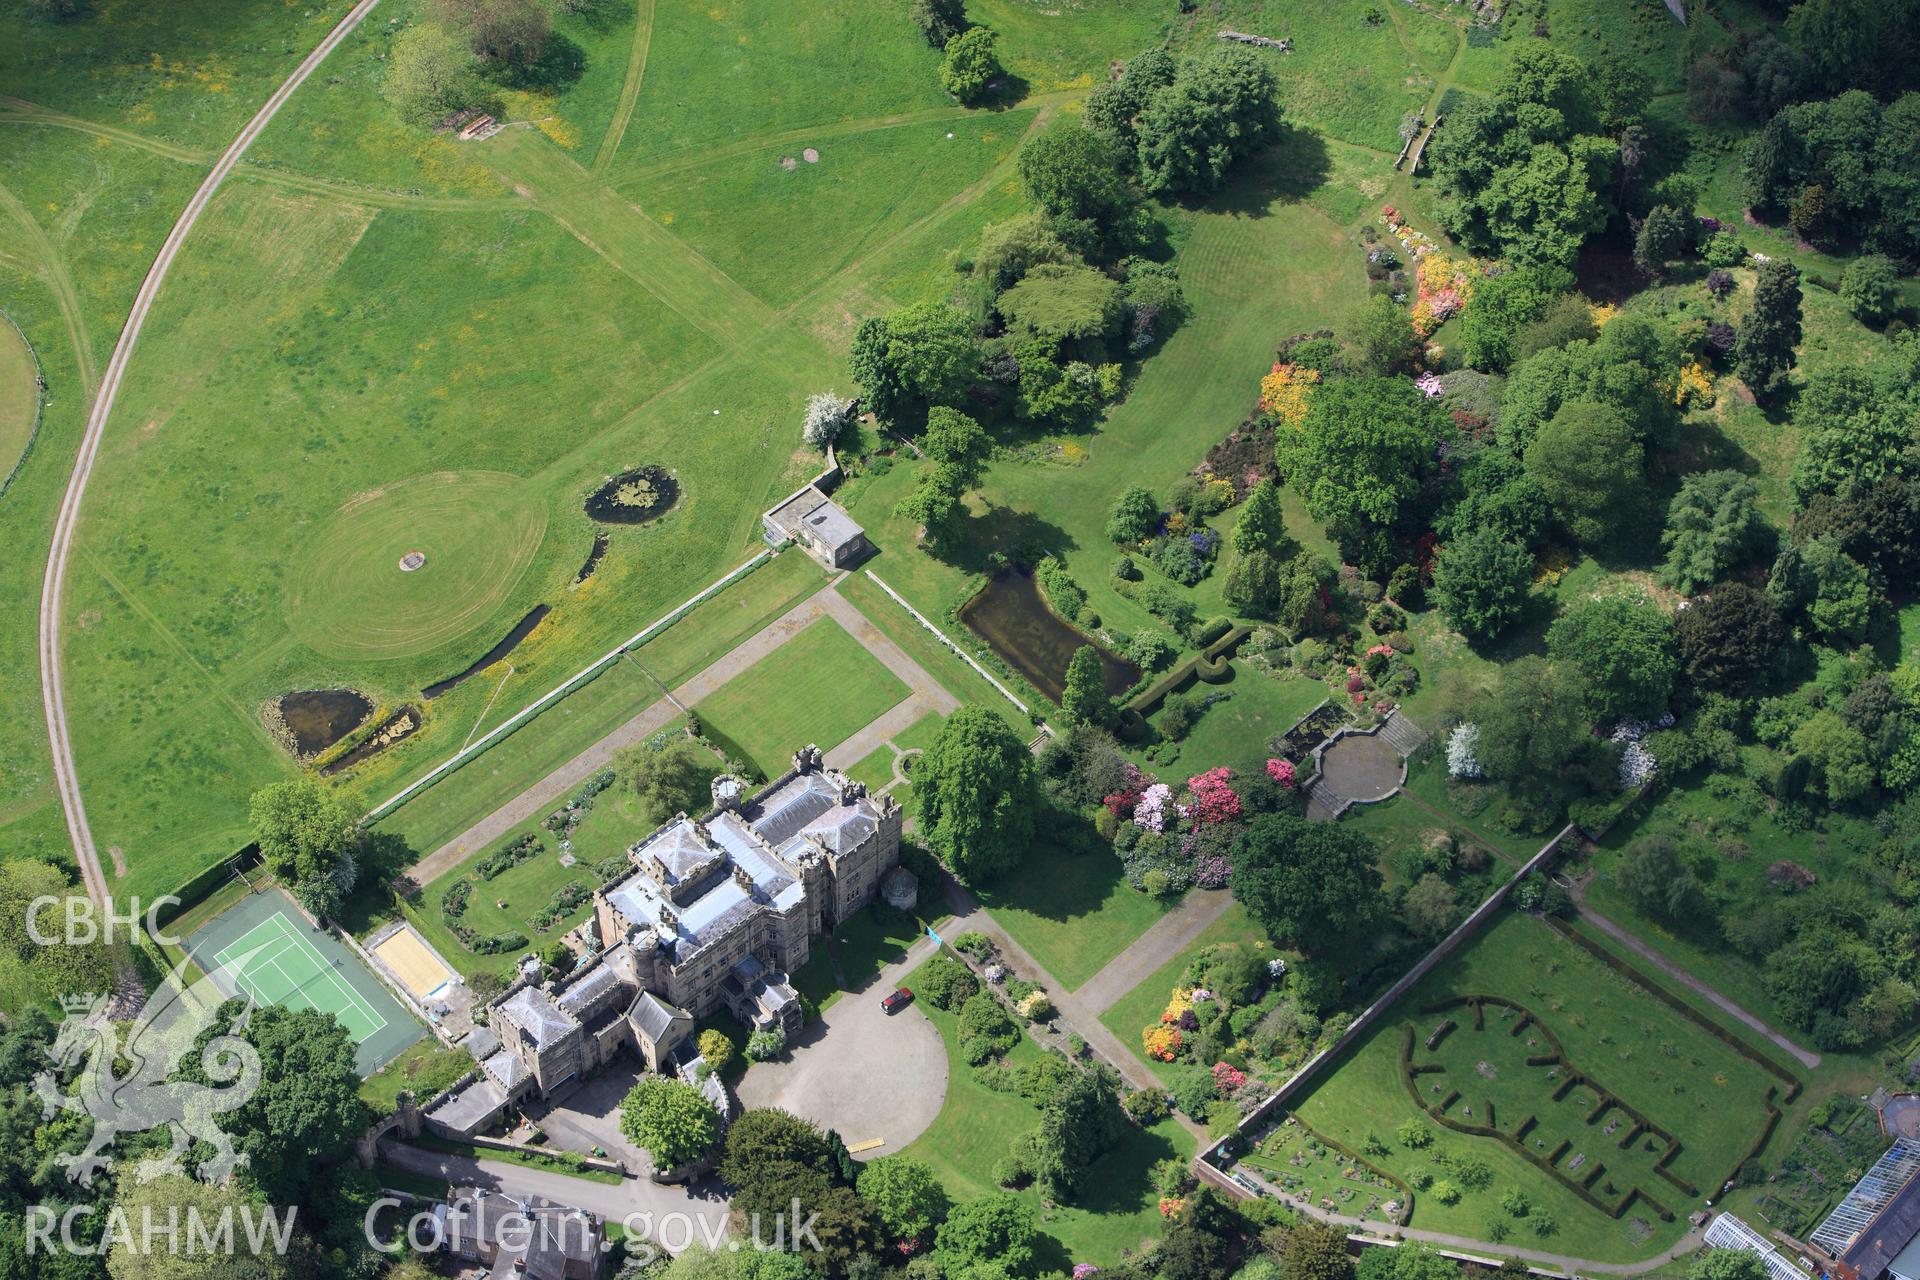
point(859, 1071)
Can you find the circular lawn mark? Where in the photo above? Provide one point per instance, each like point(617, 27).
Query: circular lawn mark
point(810, 156)
point(474, 532)
point(1362, 767)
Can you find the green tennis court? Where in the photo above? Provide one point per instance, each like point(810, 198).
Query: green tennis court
point(263, 949)
point(275, 965)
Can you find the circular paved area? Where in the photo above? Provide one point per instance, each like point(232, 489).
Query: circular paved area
point(1362, 767)
point(861, 1072)
point(1903, 1115)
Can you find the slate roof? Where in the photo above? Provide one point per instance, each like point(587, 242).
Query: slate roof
point(653, 1017)
point(546, 1235)
point(823, 519)
point(534, 1012)
point(1891, 1231)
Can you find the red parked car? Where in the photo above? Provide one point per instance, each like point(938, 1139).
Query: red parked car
point(897, 1001)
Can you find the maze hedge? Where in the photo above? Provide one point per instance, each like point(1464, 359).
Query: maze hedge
point(1605, 1100)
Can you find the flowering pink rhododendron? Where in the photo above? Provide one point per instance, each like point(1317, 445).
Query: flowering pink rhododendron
point(1281, 771)
point(1213, 800)
point(1227, 1077)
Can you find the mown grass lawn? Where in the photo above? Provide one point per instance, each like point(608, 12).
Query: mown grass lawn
point(820, 687)
point(1257, 706)
point(978, 1126)
point(1648, 1055)
point(580, 719)
point(862, 946)
point(1073, 912)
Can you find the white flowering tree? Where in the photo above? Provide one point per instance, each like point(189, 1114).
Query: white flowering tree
point(827, 416)
point(1463, 752)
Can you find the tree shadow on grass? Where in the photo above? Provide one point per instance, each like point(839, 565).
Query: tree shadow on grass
point(1289, 171)
point(558, 65)
point(1058, 885)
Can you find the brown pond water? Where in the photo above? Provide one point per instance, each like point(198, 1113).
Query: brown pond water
point(1010, 614)
point(493, 655)
point(318, 718)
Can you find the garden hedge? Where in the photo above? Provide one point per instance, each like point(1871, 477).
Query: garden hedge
point(1605, 1100)
point(1639, 978)
point(1217, 667)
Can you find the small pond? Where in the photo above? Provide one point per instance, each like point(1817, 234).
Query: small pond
point(506, 646)
point(635, 496)
point(315, 719)
point(600, 542)
point(1010, 614)
point(401, 724)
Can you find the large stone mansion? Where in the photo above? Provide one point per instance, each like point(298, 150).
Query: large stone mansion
point(715, 913)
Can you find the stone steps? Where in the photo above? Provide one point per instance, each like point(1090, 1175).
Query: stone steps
point(1402, 734)
point(1324, 804)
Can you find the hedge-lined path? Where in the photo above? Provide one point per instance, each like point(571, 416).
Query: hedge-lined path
point(1620, 934)
point(1166, 938)
point(926, 695)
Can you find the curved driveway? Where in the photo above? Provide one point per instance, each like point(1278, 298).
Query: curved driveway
point(52, 690)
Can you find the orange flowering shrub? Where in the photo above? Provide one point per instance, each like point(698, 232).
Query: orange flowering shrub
point(1445, 285)
point(1283, 392)
point(1162, 1043)
point(1170, 1205)
point(1178, 1006)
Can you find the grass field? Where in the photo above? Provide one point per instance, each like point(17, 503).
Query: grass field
point(1073, 912)
point(19, 398)
point(978, 1126)
point(822, 686)
point(1258, 706)
point(1665, 1066)
point(583, 717)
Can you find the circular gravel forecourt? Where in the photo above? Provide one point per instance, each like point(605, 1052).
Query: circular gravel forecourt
point(1362, 767)
point(347, 598)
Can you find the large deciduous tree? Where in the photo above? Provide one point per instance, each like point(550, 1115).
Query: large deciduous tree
point(667, 778)
point(306, 1112)
point(977, 794)
point(1078, 178)
point(919, 356)
point(1525, 172)
point(429, 74)
point(997, 1230)
point(1480, 581)
point(971, 62)
point(1623, 648)
point(1361, 449)
point(905, 1194)
point(1309, 884)
point(307, 839)
point(670, 1120)
point(1220, 106)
